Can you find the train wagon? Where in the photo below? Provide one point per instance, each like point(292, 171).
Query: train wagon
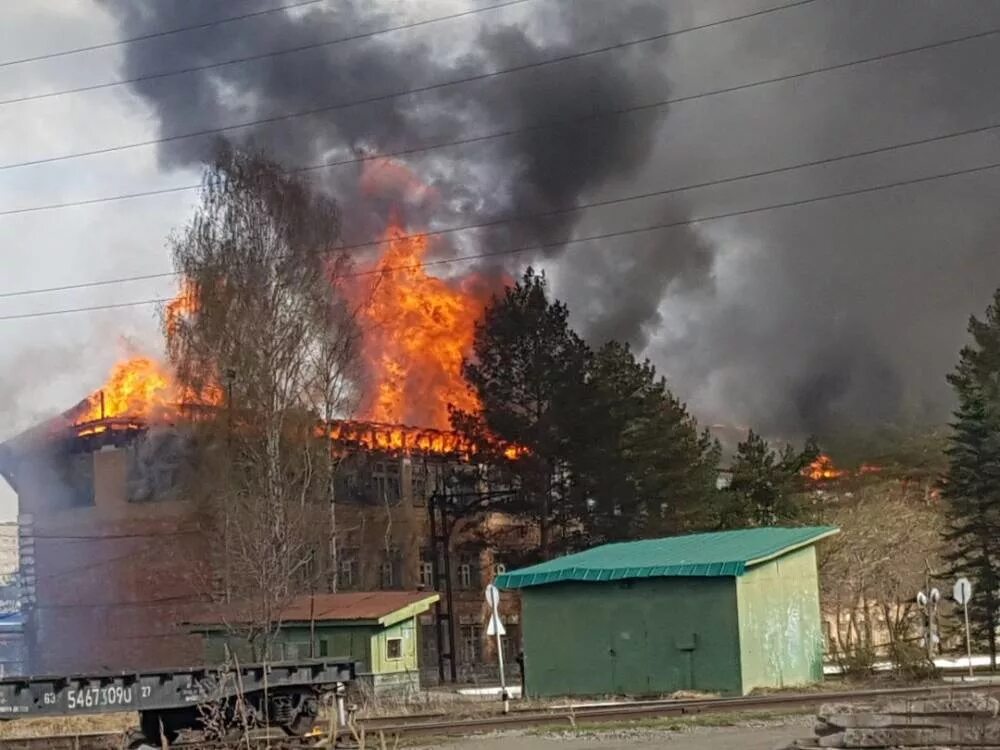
point(285, 695)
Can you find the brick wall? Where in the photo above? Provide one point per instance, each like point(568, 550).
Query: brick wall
point(110, 582)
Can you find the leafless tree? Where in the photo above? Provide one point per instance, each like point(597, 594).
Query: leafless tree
point(263, 331)
point(870, 573)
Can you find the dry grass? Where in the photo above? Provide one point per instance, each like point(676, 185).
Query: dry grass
point(60, 725)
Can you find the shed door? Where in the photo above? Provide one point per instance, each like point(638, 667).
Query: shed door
point(627, 652)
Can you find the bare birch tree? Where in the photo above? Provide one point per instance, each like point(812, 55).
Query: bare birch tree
point(265, 328)
point(871, 571)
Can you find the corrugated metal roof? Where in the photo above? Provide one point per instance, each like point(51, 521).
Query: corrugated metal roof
point(721, 553)
point(354, 606)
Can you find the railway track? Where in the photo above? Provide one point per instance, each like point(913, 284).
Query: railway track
point(438, 725)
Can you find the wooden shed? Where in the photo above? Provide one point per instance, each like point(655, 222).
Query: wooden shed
point(721, 612)
point(377, 629)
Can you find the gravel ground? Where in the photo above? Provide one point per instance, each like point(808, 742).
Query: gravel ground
point(752, 736)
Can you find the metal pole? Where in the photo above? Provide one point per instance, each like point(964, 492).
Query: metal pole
point(503, 681)
point(968, 638)
point(436, 577)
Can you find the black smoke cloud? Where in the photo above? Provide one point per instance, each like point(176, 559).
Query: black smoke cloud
point(794, 321)
point(529, 173)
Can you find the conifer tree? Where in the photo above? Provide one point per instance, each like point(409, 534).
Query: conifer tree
point(971, 487)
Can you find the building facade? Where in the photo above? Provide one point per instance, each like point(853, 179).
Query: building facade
point(113, 559)
point(8, 552)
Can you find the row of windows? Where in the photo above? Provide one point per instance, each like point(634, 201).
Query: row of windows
point(467, 573)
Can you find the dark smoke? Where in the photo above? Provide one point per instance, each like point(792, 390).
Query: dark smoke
point(527, 174)
point(794, 321)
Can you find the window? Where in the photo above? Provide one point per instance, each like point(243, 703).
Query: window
point(385, 482)
point(465, 576)
point(472, 644)
point(419, 484)
point(388, 570)
point(324, 647)
point(78, 473)
point(346, 569)
point(426, 574)
point(385, 575)
point(468, 573)
point(394, 648)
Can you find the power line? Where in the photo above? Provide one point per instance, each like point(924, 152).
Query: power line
point(573, 241)
point(259, 56)
point(579, 207)
point(155, 34)
point(648, 106)
point(399, 94)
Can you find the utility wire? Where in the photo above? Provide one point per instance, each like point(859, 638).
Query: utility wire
point(648, 106)
point(573, 241)
point(155, 34)
point(259, 56)
point(409, 92)
point(554, 212)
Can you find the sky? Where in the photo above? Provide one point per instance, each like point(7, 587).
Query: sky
point(795, 320)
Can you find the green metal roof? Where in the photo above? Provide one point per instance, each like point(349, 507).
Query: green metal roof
point(721, 553)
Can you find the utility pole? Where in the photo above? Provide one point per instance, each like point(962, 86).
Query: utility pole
point(230, 376)
point(441, 527)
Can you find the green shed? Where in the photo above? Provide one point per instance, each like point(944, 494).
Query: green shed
point(723, 612)
point(377, 629)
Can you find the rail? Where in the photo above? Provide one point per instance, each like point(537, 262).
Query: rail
point(569, 715)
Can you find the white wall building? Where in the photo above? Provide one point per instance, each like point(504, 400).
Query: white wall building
point(8, 551)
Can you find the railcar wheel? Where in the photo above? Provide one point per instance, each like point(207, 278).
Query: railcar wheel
point(302, 724)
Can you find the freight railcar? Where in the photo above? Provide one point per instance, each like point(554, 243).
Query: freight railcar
point(281, 694)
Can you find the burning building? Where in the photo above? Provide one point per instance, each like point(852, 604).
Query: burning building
point(116, 558)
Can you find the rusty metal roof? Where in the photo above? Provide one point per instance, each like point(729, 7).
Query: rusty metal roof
point(381, 607)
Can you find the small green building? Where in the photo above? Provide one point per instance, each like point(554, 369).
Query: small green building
point(377, 629)
point(723, 612)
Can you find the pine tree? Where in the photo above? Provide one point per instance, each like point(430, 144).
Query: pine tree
point(529, 370)
point(641, 468)
point(765, 483)
point(971, 487)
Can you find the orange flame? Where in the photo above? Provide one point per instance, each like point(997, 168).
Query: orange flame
point(137, 387)
point(822, 468)
point(417, 330)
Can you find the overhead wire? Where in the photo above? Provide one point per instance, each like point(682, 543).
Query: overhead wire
point(329, 164)
point(555, 212)
point(572, 241)
point(154, 34)
point(405, 92)
point(259, 56)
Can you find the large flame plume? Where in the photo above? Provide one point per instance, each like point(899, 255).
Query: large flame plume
point(417, 329)
point(137, 387)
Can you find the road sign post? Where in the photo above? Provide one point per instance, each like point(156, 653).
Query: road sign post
point(962, 593)
point(496, 628)
point(928, 602)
